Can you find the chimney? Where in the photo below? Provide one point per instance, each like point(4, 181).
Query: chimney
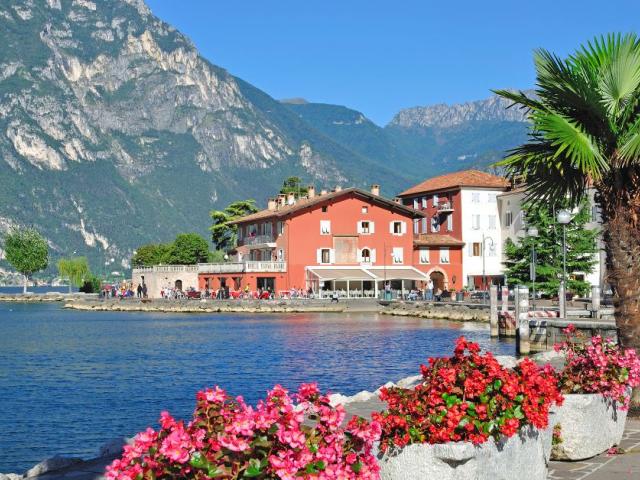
point(338, 188)
point(281, 199)
point(375, 190)
point(323, 191)
point(271, 204)
point(311, 191)
point(291, 199)
point(397, 199)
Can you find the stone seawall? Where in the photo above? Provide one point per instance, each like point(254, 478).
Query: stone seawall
point(45, 297)
point(439, 310)
point(206, 306)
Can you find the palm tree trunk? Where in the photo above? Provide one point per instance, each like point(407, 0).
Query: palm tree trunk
point(622, 244)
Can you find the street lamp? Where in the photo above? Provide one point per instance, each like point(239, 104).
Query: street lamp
point(484, 274)
point(564, 217)
point(532, 232)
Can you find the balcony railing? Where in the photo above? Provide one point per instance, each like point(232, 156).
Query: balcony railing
point(255, 266)
point(234, 267)
point(167, 269)
point(445, 207)
point(256, 240)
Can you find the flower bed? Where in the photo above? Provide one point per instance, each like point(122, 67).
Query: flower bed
point(470, 418)
point(597, 380)
point(282, 438)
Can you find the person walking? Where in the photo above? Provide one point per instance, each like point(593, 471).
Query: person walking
point(429, 296)
point(144, 290)
point(139, 290)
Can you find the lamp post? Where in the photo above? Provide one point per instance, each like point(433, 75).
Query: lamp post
point(564, 217)
point(532, 232)
point(484, 273)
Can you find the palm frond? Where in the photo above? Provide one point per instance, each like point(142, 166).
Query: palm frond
point(629, 149)
point(620, 77)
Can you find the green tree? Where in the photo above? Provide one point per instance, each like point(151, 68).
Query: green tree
point(26, 250)
point(585, 131)
point(152, 254)
point(294, 185)
point(581, 250)
point(224, 234)
point(189, 249)
point(75, 269)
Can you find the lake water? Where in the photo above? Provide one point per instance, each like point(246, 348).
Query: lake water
point(40, 289)
point(70, 381)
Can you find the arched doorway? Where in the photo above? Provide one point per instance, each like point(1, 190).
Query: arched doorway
point(438, 280)
point(178, 285)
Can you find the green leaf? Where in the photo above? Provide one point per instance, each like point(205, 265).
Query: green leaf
point(356, 467)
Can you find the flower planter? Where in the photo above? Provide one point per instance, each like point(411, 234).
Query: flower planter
point(589, 425)
point(524, 455)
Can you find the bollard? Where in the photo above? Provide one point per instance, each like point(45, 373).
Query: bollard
point(562, 301)
point(493, 316)
point(595, 300)
point(523, 346)
point(505, 298)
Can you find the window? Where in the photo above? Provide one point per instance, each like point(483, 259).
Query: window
point(325, 227)
point(280, 255)
point(324, 209)
point(424, 224)
point(475, 197)
point(416, 226)
point(450, 223)
point(444, 255)
point(267, 227)
point(424, 256)
point(492, 222)
point(424, 202)
point(435, 225)
point(475, 222)
point(280, 228)
point(397, 255)
point(365, 255)
point(365, 209)
point(365, 227)
point(416, 203)
point(325, 255)
point(508, 219)
point(491, 197)
point(398, 228)
point(594, 213)
point(476, 249)
point(435, 200)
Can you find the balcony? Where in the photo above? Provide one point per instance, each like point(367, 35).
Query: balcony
point(253, 266)
point(230, 267)
point(166, 269)
point(445, 208)
point(259, 266)
point(257, 240)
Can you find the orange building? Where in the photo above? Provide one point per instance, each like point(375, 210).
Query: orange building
point(348, 240)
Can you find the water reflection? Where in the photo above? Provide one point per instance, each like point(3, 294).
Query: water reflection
point(72, 380)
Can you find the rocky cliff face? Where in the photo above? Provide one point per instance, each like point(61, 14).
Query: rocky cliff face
point(115, 131)
point(493, 108)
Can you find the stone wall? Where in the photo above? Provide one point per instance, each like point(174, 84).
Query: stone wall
point(160, 278)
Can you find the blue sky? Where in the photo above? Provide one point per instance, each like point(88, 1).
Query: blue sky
point(381, 56)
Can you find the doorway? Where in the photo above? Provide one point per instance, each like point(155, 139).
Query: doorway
point(438, 281)
point(178, 285)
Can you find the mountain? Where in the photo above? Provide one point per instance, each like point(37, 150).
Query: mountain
point(114, 131)
point(424, 141)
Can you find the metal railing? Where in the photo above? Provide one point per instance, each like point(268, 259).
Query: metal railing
point(266, 266)
point(233, 267)
point(258, 239)
point(167, 269)
point(445, 206)
point(229, 267)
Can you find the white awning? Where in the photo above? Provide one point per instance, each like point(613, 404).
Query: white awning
point(368, 273)
point(396, 273)
point(342, 274)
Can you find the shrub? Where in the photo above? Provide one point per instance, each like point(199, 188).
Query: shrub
point(468, 397)
point(598, 366)
point(228, 439)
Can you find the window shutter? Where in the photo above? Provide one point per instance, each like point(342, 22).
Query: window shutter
point(371, 228)
point(391, 227)
point(359, 255)
point(359, 226)
point(373, 255)
point(332, 256)
point(404, 227)
point(319, 256)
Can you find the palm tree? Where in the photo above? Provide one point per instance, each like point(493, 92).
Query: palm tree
point(585, 132)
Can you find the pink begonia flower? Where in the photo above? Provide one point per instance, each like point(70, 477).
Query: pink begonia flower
point(233, 443)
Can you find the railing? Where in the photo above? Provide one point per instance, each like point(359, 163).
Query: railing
point(445, 207)
point(236, 267)
point(258, 239)
point(167, 269)
point(258, 266)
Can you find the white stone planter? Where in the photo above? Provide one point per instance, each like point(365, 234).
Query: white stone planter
point(523, 456)
point(589, 425)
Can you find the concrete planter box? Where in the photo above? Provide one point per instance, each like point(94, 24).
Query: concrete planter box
point(589, 425)
point(525, 455)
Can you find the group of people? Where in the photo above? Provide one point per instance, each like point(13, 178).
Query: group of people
point(123, 290)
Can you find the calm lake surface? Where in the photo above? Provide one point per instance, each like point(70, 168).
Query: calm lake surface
point(71, 381)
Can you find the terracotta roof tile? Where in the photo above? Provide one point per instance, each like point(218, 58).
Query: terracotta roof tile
point(466, 178)
point(302, 203)
point(436, 240)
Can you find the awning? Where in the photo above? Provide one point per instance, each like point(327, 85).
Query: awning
point(342, 274)
point(391, 273)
